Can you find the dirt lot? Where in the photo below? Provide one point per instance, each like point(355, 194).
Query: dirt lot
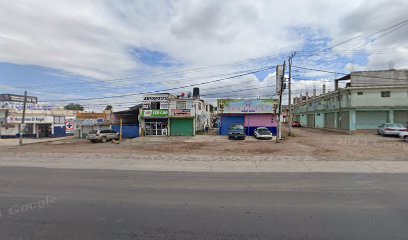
point(318, 144)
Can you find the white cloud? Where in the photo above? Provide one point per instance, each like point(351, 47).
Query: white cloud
point(93, 38)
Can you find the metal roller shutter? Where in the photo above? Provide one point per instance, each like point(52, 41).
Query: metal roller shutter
point(181, 127)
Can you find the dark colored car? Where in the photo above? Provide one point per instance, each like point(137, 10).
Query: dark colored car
point(296, 124)
point(236, 131)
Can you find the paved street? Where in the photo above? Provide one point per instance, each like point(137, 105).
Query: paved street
point(109, 204)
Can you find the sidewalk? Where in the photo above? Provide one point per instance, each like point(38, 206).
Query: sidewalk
point(204, 163)
point(15, 141)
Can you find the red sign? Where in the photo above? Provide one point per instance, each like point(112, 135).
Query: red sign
point(180, 112)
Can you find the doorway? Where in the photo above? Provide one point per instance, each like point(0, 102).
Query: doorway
point(156, 127)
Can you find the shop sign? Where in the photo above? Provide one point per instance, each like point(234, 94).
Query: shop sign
point(17, 98)
point(156, 98)
point(155, 113)
point(164, 105)
point(20, 106)
point(180, 112)
point(45, 119)
point(246, 105)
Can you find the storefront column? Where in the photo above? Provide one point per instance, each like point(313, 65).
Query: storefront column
point(391, 116)
point(352, 119)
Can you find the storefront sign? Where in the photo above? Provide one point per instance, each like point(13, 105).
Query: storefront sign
point(20, 106)
point(155, 113)
point(246, 105)
point(17, 98)
point(156, 98)
point(45, 119)
point(180, 112)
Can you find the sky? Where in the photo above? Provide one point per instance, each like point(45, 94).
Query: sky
point(111, 52)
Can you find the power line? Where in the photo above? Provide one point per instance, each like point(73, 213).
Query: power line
point(164, 90)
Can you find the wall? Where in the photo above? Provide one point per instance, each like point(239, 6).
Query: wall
point(372, 97)
point(261, 120)
point(379, 78)
point(128, 131)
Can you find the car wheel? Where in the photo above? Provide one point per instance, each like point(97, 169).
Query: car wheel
point(93, 141)
point(103, 139)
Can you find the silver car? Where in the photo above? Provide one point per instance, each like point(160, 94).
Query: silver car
point(391, 129)
point(404, 135)
point(102, 135)
point(263, 133)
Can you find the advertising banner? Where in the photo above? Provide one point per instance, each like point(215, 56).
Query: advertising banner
point(247, 105)
point(155, 113)
point(181, 113)
point(45, 119)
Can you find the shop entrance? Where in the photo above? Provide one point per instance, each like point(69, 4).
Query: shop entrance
point(156, 127)
point(44, 130)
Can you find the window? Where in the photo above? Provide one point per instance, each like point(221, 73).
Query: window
point(59, 119)
point(155, 105)
point(385, 94)
point(199, 106)
point(359, 93)
point(206, 108)
point(181, 105)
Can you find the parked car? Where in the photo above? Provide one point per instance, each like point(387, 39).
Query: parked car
point(236, 131)
point(404, 135)
point(296, 124)
point(102, 135)
point(391, 129)
point(263, 133)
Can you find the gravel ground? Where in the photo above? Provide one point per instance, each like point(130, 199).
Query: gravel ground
point(306, 144)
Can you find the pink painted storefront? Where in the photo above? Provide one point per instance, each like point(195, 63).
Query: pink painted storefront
point(252, 113)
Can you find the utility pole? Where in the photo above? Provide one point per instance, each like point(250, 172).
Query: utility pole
point(290, 92)
point(278, 134)
point(22, 119)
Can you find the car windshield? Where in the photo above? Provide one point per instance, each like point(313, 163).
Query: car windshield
point(264, 131)
point(395, 125)
point(93, 132)
point(237, 127)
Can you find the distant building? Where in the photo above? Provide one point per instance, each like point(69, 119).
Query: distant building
point(41, 120)
point(369, 99)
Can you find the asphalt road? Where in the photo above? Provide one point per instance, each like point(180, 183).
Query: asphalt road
point(37, 203)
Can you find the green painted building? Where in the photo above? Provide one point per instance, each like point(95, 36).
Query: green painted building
point(368, 100)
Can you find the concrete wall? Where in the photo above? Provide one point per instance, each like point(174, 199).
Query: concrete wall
point(372, 97)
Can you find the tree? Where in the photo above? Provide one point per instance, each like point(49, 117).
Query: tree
point(74, 106)
point(108, 107)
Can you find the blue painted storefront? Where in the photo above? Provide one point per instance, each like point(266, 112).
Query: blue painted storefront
point(227, 121)
point(250, 130)
point(128, 131)
point(59, 132)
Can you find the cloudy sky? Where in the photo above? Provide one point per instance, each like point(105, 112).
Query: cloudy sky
point(70, 51)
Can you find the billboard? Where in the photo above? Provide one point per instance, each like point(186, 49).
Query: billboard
point(17, 98)
point(155, 113)
point(247, 105)
point(279, 75)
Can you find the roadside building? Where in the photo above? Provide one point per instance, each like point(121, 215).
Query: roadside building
point(369, 99)
point(128, 120)
point(252, 113)
point(87, 121)
point(165, 114)
point(41, 120)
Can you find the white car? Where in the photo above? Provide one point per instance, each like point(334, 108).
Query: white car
point(404, 135)
point(391, 129)
point(263, 133)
